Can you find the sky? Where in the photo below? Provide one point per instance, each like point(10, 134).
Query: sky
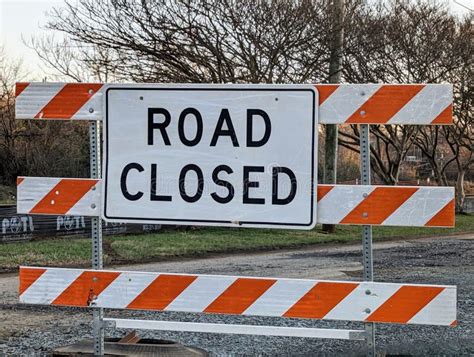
point(25, 18)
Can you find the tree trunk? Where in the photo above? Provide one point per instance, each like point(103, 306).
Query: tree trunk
point(335, 67)
point(460, 193)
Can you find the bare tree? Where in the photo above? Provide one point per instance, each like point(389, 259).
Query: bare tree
point(72, 61)
point(460, 137)
point(389, 148)
point(454, 145)
point(35, 148)
point(429, 141)
point(10, 132)
point(215, 41)
point(281, 41)
point(404, 42)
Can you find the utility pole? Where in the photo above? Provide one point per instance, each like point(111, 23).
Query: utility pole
point(335, 68)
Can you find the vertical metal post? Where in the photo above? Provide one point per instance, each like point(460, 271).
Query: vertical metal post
point(367, 253)
point(96, 232)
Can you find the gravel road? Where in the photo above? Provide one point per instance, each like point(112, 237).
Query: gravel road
point(33, 330)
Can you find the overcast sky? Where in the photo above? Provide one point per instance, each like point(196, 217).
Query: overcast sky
point(27, 17)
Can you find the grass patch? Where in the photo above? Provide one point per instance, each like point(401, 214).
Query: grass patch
point(57, 252)
point(197, 242)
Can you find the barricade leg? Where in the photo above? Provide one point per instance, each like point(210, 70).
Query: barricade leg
point(367, 252)
point(96, 233)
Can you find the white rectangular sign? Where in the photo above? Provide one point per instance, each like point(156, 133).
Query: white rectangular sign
point(220, 155)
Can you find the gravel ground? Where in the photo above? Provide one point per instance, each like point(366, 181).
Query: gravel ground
point(33, 330)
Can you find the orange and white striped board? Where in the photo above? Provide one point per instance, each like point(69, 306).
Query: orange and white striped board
point(425, 104)
point(337, 204)
point(77, 101)
point(292, 298)
point(58, 196)
point(420, 104)
point(415, 206)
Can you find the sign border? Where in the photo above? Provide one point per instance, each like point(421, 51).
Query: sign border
point(222, 223)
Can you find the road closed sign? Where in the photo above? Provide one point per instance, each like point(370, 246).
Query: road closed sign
point(219, 155)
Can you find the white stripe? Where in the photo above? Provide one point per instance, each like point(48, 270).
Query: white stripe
point(280, 298)
point(32, 190)
point(439, 311)
point(88, 205)
point(200, 293)
point(425, 106)
point(365, 296)
point(49, 286)
point(124, 289)
point(344, 101)
point(421, 207)
point(340, 201)
point(34, 98)
point(94, 104)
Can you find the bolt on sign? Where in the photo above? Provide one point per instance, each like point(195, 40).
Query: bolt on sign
point(229, 155)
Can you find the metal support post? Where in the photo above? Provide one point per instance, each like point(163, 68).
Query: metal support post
point(96, 232)
point(367, 253)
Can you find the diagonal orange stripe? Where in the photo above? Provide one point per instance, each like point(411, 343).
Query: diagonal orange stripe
point(384, 104)
point(63, 196)
point(323, 191)
point(19, 180)
point(239, 296)
point(161, 292)
point(445, 117)
point(454, 323)
point(321, 299)
point(379, 205)
point(325, 91)
point(28, 276)
point(445, 217)
point(20, 87)
point(85, 288)
point(69, 100)
point(402, 306)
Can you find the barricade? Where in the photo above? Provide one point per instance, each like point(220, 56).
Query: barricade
point(367, 205)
